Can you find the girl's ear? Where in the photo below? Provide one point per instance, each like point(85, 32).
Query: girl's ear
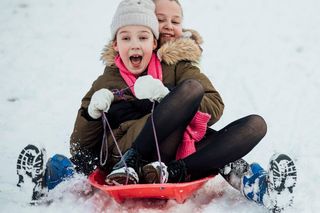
point(115, 46)
point(155, 43)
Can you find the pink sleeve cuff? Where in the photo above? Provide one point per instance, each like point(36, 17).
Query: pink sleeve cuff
point(195, 131)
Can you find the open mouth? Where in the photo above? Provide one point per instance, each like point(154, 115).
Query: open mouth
point(135, 60)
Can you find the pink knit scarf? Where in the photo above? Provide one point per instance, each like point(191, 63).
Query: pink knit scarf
point(197, 128)
point(154, 69)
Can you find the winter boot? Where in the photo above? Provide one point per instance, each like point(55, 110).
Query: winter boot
point(126, 170)
point(281, 182)
point(177, 171)
point(31, 163)
point(255, 183)
point(234, 171)
point(155, 172)
point(273, 189)
point(58, 169)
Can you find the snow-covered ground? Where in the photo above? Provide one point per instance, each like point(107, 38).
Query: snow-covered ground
point(260, 55)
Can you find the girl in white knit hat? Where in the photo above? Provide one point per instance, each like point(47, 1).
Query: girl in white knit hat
point(176, 118)
point(156, 109)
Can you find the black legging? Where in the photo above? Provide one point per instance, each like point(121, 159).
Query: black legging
point(215, 150)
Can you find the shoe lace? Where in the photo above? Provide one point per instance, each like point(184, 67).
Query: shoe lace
point(132, 158)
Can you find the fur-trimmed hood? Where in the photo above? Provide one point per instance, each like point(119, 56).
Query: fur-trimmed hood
point(185, 48)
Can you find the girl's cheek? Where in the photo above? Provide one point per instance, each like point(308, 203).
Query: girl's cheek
point(178, 32)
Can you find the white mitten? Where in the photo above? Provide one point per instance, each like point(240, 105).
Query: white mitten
point(147, 87)
point(100, 102)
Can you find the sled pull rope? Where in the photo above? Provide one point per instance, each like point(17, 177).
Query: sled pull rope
point(156, 141)
point(104, 145)
point(120, 93)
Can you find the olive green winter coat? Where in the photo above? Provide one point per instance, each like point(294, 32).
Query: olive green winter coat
point(178, 64)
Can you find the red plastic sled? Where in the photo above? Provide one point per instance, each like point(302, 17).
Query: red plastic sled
point(178, 191)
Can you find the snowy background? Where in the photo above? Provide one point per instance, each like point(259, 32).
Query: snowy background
point(262, 56)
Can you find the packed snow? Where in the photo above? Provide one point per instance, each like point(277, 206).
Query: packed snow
point(262, 56)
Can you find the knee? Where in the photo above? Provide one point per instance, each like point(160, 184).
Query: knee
point(192, 87)
point(258, 124)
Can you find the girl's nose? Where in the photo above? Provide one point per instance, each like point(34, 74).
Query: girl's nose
point(168, 25)
point(135, 45)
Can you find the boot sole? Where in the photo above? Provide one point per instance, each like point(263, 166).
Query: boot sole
point(281, 182)
point(31, 163)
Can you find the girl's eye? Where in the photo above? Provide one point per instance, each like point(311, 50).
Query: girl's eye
point(176, 22)
point(160, 20)
point(143, 37)
point(125, 38)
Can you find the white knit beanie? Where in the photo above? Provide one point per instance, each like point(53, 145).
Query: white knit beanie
point(135, 12)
